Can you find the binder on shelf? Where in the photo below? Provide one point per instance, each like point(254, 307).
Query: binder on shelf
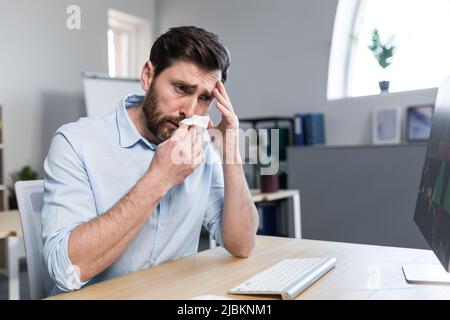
point(284, 142)
point(314, 127)
point(299, 135)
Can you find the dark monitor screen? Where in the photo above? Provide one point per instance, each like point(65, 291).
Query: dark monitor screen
point(432, 214)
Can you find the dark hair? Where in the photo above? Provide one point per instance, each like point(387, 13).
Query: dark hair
point(193, 44)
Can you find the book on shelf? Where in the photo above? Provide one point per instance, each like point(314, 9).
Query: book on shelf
point(309, 129)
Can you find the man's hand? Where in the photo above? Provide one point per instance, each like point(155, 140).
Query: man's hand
point(177, 157)
point(228, 126)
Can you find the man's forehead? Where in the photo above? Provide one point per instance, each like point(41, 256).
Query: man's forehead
point(191, 74)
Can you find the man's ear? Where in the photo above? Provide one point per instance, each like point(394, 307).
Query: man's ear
point(147, 75)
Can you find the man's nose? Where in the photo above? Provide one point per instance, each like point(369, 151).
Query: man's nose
point(189, 107)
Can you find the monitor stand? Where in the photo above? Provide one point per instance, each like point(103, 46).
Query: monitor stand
point(426, 274)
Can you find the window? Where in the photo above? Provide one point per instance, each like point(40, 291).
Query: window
point(128, 44)
point(421, 30)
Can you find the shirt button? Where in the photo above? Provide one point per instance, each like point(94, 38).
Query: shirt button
point(160, 228)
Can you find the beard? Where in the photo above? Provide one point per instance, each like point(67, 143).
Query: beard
point(157, 122)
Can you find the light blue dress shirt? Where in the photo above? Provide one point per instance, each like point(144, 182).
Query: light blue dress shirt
point(91, 165)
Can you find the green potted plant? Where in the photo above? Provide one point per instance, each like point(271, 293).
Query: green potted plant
point(26, 173)
point(383, 53)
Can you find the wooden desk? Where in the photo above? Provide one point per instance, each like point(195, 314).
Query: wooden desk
point(362, 272)
point(11, 231)
point(257, 196)
point(10, 224)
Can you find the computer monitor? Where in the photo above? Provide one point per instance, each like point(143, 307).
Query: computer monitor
point(432, 214)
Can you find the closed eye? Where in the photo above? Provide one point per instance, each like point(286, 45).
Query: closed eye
point(206, 98)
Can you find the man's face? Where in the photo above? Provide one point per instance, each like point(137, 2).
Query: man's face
point(178, 92)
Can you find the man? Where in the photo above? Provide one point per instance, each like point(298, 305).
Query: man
point(117, 199)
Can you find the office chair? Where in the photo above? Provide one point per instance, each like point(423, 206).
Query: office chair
point(30, 202)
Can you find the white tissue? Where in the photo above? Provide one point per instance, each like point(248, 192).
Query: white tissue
point(200, 121)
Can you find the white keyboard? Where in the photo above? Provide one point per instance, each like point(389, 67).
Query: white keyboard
point(287, 278)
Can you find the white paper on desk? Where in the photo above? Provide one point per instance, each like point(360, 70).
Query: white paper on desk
point(199, 121)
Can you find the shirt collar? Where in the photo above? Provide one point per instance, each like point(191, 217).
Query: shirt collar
point(128, 133)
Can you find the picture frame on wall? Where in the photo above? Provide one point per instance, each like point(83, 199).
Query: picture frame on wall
point(387, 125)
point(418, 122)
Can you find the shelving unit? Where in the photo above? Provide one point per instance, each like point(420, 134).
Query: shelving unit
point(279, 209)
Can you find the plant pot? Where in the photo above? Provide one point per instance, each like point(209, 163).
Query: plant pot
point(384, 86)
point(12, 203)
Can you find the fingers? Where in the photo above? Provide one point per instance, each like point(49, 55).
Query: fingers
point(222, 97)
point(225, 112)
point(190, 143)
point(222, 90)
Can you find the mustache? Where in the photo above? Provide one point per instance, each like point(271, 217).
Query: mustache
point(176, 120)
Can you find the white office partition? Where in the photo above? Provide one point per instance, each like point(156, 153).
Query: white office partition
point(102, 93)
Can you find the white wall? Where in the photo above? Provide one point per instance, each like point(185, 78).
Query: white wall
point(280, 54)
point(40, 66)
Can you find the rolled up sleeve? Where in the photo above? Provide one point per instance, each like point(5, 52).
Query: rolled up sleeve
point(68, 202)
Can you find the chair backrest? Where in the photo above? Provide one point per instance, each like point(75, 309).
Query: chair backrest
point(30, 202)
